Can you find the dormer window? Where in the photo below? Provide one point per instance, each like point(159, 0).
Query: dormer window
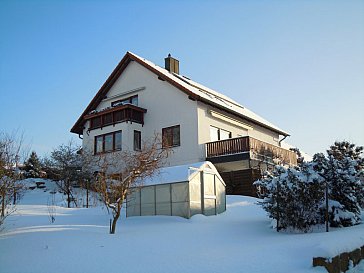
point(131, 100)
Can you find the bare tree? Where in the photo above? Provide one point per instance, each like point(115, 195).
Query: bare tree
point(119, 173)
point(51, 206)
point(10, 188)
point(64, 164)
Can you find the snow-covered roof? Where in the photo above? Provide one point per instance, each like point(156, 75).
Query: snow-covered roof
point(212, 95)
point(180, 173)
point(194, 89)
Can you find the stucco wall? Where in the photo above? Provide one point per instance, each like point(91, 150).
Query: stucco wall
point(166, 106)
point(205, 120)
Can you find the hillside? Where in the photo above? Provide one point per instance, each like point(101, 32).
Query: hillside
point(239, 240)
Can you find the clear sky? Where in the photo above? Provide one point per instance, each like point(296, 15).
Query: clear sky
point(299, 64)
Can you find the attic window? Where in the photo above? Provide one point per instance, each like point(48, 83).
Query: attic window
point(130, 100)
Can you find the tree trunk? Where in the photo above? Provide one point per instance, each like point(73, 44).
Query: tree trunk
point(14, 196)
point(116, 217)
point(3, 205)
point(86, 194)
point(114, 221)
point(278, 218)
point(327, 206)
point(68, 194)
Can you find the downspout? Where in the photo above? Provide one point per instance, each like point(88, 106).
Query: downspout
point(279, 143)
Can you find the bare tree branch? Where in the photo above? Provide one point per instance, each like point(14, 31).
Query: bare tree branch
point(120, 172)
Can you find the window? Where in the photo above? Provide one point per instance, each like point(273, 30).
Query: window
point(214, 133)
point(137, 140)
point(99, 140)
point(224, 134)
point(108, 142)
point(171, 136)
point(131, 100)
point(219, 134)
point(117, 140)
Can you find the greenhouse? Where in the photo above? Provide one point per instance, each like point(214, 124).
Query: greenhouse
point(183, 191)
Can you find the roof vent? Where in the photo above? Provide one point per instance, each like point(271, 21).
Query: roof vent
point(171, 64)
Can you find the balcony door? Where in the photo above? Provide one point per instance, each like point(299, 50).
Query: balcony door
point(218, 134)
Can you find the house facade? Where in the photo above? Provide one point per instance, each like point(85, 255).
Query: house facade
point(140, 99)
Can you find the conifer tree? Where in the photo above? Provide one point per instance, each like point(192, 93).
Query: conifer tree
point(33, 166)
point(341, 170)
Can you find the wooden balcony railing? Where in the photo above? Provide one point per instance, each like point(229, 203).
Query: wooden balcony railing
point(257, 149)
point(110, 116)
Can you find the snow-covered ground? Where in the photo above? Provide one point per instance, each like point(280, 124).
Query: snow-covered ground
point(239, 240)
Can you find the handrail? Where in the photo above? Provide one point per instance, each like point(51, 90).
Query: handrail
point(256, 148)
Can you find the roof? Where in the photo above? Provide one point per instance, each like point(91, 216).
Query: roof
point(193, 89)
point(181, 173)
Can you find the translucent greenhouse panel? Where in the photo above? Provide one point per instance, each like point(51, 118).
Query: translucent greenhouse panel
point(195, 195)
point(164, 208)
point(133, 203)
point(180, 209)
point(179, 192)
point(148, 201)
point(209, 207)
point(195, 208)
point(220, 196)
point(147, 195)
point(209, 194)
point(134, 197)
point(163, 193)
point(147, 209)
point(195, 189)
point(133, 210)
point(209, 184)
point(163, 199)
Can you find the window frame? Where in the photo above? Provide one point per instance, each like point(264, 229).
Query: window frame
point(127, 100)
point(137, 147)
point(170, 133)
point(219, 133)
point(103, 136)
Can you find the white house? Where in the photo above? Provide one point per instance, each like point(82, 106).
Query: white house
point(140, 98)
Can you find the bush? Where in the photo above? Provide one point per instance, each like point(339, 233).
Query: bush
point(296, 198)
point(293, 197)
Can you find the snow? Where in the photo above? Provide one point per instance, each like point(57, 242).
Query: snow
point(239, 240)
point(180, 173)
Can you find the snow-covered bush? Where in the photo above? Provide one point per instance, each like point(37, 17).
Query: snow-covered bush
point(342, 169)
point(293, 196)
point(296, 197)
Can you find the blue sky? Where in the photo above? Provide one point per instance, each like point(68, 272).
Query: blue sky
point(299, 64)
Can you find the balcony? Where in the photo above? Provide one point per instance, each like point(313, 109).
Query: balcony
point(244, 148)
point(117, 114)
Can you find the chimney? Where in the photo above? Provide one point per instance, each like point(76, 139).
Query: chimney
point(171, 64)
